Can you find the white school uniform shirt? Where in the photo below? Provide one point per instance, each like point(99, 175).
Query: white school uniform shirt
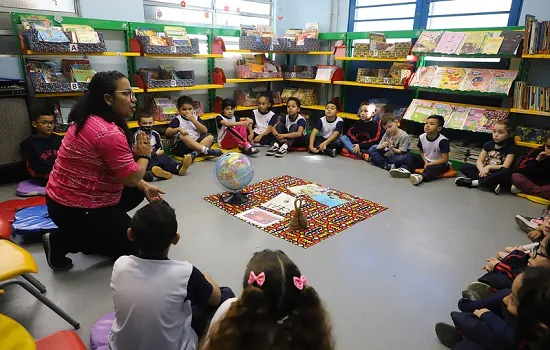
point(152, 301)
point(222, 129)
point(261, 121)
point(327, 128)
point(180, 122)
point(299, 120)
point(433, 149)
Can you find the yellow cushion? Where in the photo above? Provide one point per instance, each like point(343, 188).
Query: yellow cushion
point(534, 199)
point(14, 336)
point(14, 261)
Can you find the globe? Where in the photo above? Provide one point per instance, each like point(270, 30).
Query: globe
point(233, 172)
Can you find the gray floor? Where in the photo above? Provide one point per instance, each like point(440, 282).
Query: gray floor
point(385, 281)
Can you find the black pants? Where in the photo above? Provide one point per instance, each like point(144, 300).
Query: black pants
point(181, 149)
point(415, 161)
point(101, 231)
point(502, 177)
point(297, 142)
point(266, 140)
point(203, 315)
point(165, 162)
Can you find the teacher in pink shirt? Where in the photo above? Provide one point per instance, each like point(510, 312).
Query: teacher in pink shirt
point(97, 177)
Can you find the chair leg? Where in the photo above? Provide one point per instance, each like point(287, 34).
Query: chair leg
point(36, 283)
point(29, 288)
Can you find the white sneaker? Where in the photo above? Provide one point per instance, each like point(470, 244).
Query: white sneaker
point(515, 190)
point(400, 173)
point(416, 179)
point(497, 189)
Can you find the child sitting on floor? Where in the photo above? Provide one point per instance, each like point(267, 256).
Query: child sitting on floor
point(188, 134)
point(159, 303)
point(290, 130)
point(161, 166)
point(392, 150)
point(434, 154)
point(492, 169)
point(364, 134)
point(533, 173)
point(40, 149)
point(277, 309)
point(260, 132)
point(331, 127)
point(232, 133)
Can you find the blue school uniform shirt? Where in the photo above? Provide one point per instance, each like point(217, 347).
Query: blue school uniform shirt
point(326, 127)
point(155, 140)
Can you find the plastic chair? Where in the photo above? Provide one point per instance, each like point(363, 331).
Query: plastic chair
point(16, 262)
point(14, 336)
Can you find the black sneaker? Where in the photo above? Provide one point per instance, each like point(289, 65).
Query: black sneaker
point(471, 295)
point(55, 261)
point(249, 151)
point(463, 182)
point(272, 150)
point(447, 334)
point(482, 289)
point(282, 151)
point(214, 152)
point(330, 152)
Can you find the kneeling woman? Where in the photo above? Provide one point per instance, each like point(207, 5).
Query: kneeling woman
point(95, 180)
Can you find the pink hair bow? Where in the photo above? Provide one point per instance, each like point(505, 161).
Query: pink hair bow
point(260, 279)
point(300, 282)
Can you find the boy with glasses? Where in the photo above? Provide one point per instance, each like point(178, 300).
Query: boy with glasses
point(40, 149)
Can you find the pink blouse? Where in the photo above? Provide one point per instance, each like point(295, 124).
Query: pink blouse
point(89, 164)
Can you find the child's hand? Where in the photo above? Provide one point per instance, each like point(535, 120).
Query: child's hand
point(480, 312)
point(491, 263)
point(356, 149)
point(313, 149)
point(502, 255)
point(485, 171)
point(535, 235)
point(542, 155)
point(258, 138)
point(183, 132)
point(323, 146)
point(426, 164)
point(251, 137)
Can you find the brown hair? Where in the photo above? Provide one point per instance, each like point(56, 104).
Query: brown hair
point(388, 118)
point(507, 123)
point(299, 314)
point(545, 139)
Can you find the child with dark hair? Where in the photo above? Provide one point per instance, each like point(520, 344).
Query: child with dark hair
point(364, 134)
point(493, 167)
point(159, 303)
point(394, 146)
point(533, 173)
point(434, 154)
point(161, 166)
point(277, 309)
point(290, 130)
point(232, 133)
point(331, 127)
point(263, 118)
point(188, 134)
point(40, 149)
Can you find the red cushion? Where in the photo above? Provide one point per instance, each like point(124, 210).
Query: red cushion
point(18, 204)
point(64, 340)
point(298, 149)
point(346, 153)
point(448, 174)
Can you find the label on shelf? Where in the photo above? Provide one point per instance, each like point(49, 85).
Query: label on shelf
point(73, 47)
point(173, 83)
point(271, 47)
point(119, 54)
point(390, 86)
point(266, 74)
point(173, 49)
point(74, 86)
point(293, 75)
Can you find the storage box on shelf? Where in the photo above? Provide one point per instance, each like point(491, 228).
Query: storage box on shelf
point(32, 42)
point(298, 72)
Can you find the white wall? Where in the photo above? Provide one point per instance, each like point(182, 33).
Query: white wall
point(295, 14)
point(120, 10)
point(537, 8)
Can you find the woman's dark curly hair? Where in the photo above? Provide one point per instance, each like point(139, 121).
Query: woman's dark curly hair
point(534, 307)
point(295, 318)
point(93, 102)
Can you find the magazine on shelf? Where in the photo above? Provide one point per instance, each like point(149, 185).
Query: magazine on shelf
point(472, 43)
point(458, 118)
point(511, 41)
point(419, 110)
point(476, 80)
point(491, 46)
point(52, 35)
point(449, 42)
point(451, 78)
point(427, 42)
point(493, 116)
point(424, 76)
point(475, 117)
point(502, 81)
point(443, 109)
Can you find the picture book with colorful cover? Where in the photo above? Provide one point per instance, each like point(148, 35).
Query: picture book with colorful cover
point(326, 196)
point(427, 42)
point(283, 203)
point(419, 110)
point(30, 21)
point(493, 116)
point(375, 39)
point(75, 27)
point(259, 217)
point(443, 109)
point(52, 73)
point(87, 37)
point(449, 42)
point(82, 73)
point(511, 41)
point(458, 118)
point(476, 80)
point(424, 76)
point(472, 43)
point(492, 45)
point(475, 117)
point(438, 76)
point(146, 32)
point(451, 78)
point(52, 35)
point(166, 104)
point(502, 81)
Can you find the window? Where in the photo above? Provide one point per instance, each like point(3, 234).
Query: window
point(231, 13)
point(372, 15)
point(468, 13)
point(42, 5)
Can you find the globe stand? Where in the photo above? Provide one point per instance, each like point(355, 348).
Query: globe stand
point(235, 198)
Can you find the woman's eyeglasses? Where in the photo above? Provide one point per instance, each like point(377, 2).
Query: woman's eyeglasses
point(128, 93)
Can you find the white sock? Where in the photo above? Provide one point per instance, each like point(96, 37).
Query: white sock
point(475, 183)
point(276, 144)
point(204, 149)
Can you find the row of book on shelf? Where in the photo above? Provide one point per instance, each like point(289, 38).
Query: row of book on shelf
point(537, 36)
point(67, 33)
point(536, 98)
point(465, 79)
point(504, 42)
point(460, 117)
point(170, 36)
point(64, 71)
point(298, 35)
point(378, 47)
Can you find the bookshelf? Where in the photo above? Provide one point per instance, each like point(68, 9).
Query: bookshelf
point(526, 144)
point(530, 111)
point(370, 59)
point(256, 80)
point(104, 54)
point(457, 92)
point(316, 81)
point(376, 86)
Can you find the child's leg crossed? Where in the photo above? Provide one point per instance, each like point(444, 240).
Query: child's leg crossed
point(525, 185)
point(376, 157)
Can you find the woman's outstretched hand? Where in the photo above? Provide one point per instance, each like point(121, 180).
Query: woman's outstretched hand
point(142, 146)
point(152, 193)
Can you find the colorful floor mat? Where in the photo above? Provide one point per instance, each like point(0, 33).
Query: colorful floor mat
point(324, 222)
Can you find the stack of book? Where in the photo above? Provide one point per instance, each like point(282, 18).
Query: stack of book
point(176, 36)
point(537, 36)
point(155, 38)
point(460, 117)
point(82, 34)
point(66, 71)
point(396, 75)
point(378, 47)
point(536, 98)
point(504, 42)
point(465, 79)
